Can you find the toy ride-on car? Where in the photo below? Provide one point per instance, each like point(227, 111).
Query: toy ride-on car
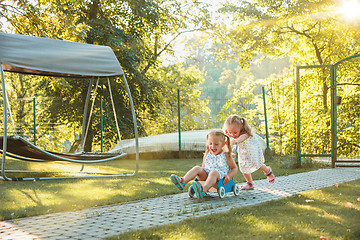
point(221, 189)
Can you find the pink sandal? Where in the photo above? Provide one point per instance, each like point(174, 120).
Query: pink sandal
point(270, 176)
point(248, 186)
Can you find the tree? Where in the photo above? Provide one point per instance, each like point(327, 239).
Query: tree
point(224, 75)
point(21, 102)
point(244, 103)
point(194, 111)
point(304, 30)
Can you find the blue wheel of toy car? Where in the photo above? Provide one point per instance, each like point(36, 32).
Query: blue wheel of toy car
point(191, 192)
point(221, 192)
point(236, 189)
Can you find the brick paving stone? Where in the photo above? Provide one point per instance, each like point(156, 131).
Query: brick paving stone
point(106, 221)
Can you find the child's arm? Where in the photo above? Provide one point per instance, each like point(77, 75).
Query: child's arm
point(240, 139)
point(233, 168)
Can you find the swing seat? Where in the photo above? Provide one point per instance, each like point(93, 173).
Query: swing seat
point(20, 148)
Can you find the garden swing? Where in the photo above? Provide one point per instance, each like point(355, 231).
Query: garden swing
point(57, 58)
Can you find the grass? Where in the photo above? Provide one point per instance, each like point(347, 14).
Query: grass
point(333, 214)
point(31, 198)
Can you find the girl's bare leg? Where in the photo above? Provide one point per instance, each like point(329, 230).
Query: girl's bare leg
point(196, 171)
point(265, 169)
point(248, 178)
point(211, 180)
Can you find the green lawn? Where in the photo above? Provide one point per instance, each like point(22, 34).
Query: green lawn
point(333, 214)
point(30, 198)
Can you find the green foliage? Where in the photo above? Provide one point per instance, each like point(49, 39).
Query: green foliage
point(281, 110)
point(19, 89)
point(224, 75)
point(215, 88)
point(348, 82)
point(243, 103)
point(26, 94)
point(194, 110)
point(278, 28)
point(309, 33)
point(68, 100)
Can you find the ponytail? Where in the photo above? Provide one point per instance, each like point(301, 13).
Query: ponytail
point(246, 127)
point(227, 141)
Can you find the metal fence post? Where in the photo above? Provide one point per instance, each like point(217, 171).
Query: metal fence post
point(102, 123)
point(179, 121)
point(266, 120)
point(34, 112)
point(298, 139)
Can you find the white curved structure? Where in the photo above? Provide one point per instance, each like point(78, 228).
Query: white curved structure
point(190, 141)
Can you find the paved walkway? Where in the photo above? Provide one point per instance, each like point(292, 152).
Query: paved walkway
point(106, 221)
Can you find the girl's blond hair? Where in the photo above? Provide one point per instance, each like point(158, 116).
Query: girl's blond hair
point(239, 121)
point(219, 133)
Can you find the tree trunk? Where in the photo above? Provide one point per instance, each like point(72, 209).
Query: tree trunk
point(325, 91)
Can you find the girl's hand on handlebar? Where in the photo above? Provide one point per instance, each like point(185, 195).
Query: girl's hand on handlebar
point(226, 179)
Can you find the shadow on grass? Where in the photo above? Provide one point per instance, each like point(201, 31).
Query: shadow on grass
point(35, 198)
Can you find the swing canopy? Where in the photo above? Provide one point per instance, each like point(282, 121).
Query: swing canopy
point(51, 57)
